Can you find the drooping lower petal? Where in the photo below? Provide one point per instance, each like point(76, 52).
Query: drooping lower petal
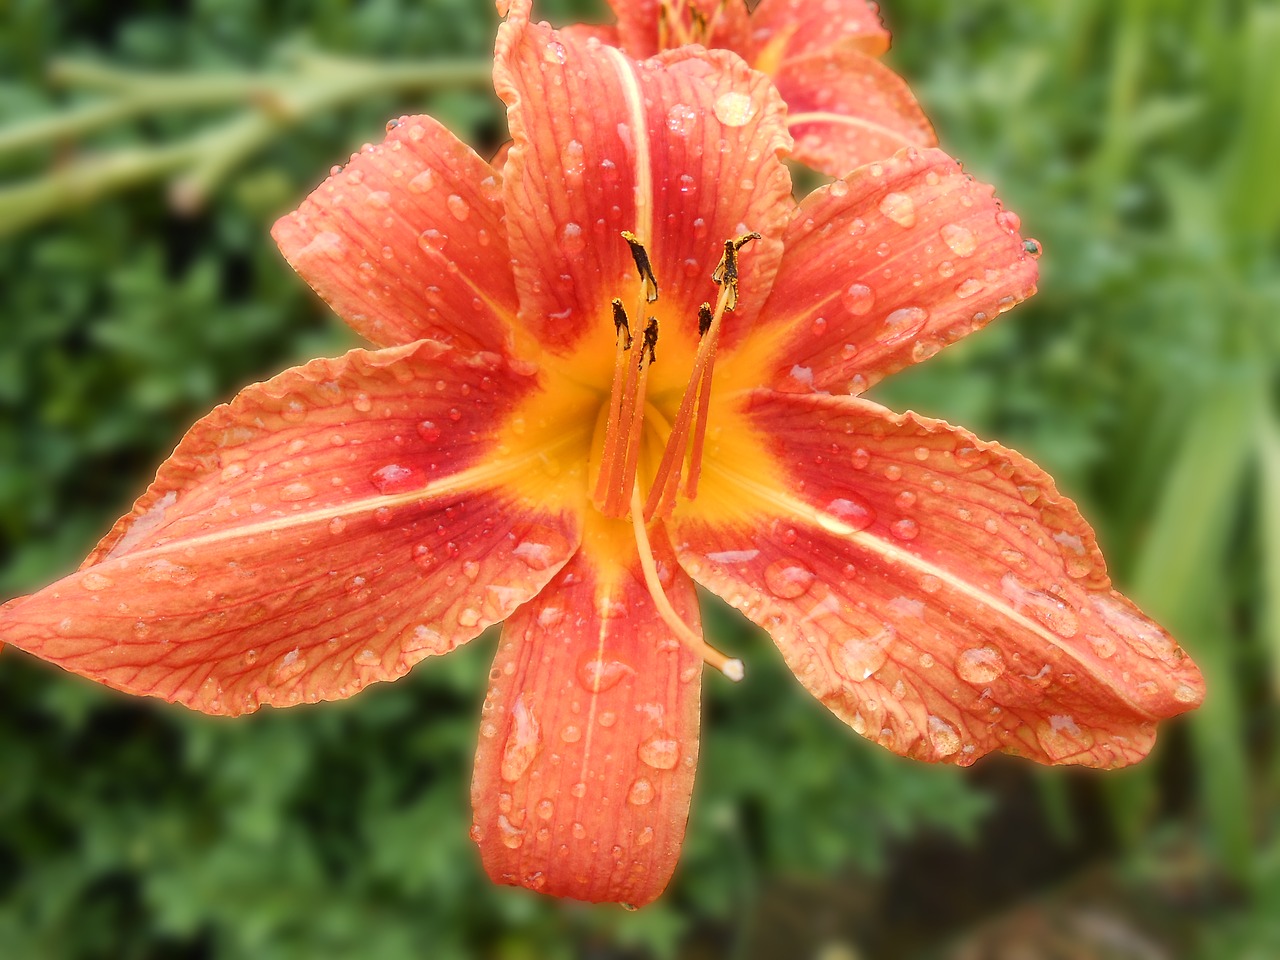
point(934, 591)
point(407, 241)
point(682, 152)
point(883, 269)
point(846, 109)
point(811, 27)
point(589, 737)
point(327, 529)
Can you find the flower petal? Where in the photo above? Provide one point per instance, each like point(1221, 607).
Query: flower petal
point(589, 737)
point(642, 30)
point(811, 27)
point(884, 268)
point(682, 151)
point(327, 529)
point(934, 591)
point(847, 109)
point(407, 241)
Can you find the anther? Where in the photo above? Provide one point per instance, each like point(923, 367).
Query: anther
point(705, 317)
point(650, 339)
point(620, 324)
point(726, 271)
point(643, 267)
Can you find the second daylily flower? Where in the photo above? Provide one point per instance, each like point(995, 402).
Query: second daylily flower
point(846, 108)
point(612, 370)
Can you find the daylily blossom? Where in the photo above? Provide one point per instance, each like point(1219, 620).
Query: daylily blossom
point(846, 108)
point(621, 366)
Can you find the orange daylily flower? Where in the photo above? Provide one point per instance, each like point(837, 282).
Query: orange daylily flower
point(613, 369)
point(846, 108)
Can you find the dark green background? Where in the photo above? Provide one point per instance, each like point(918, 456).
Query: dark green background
point(1138, 139)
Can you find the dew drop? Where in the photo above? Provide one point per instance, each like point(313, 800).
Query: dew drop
point(967, 288)
point(960, 239)
point(899, 208)
point(859, 658)
point(291, 665)
point(431, 240)
point(943, 736)
point(859, 299)
point(572, 241)
point(512, 836)
point(734, 109)
point(393, 478)
point(661, 753)
point(428, 431)
point(362, 403)
point(337, 525)
point(423, 181)
point(458, 207)
point(423, 637)
point(681, 118)
point(296, 491)
point(641, 792)
point(788, 579)
point(597, 673)
point(1050, 611)
point(545, 809)
point(572, 733)
point(1142, 635)
point(1104, 647)
point(902, 324)
point(95, 581)
point(522, 742)
point(368, 658)
point(905, 529)
point(980, 665)
point(857, 515)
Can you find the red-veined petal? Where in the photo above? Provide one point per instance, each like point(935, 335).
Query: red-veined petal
point(589, 737)
point(408, 242)
point(846, 109)
point(811, 27)
point(683, 151)
point(327, 529)
point(582, 32)
point(884, 268)
point(935, 591)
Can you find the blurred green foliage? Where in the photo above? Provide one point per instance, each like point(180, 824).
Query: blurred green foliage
point(1136, 138)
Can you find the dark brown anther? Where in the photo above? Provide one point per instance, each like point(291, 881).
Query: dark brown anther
point(726, 271)
point(641, 257)
point(650, 339)
point(701, 25)
point(704, 319)
point(620, 324)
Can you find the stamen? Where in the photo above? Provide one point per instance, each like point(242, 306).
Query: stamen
point(730, 667)
point(641, 256)
point(620, 324)
point(612, 452)
point(697, 396)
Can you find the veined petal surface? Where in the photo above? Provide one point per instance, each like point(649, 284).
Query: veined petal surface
point(408, 241)
point(846, 109)
point(683, 151)
point(327, 529)
point(810, 27)
point(643, 26)
point(884, 268)
point(589, 736)
point(934, 591)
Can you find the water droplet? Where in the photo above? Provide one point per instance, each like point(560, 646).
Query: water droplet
point(368, 658)
point(291, 665)
point(337, 525)
point(1185, 693)
point(432, 240)
point(788, 579)
point(296, 491)
point(1009, 221)
point(165, 571)
point(573, 160)
point(899, 208)
point(681, 118)
point(540, 548)
point(362, 403)
point(555, 52)
point(859, 299)
point(458, 207)
point(860, 657)
point(512, 836)
point(545, 809)
point(522, 742)
point(641, 792)
point(423, 181)
point(959, 238)
point(905, 529)
point(579, 831)
point(980, 665)
point(967, 288)
point(943, 736)
point(394, 478)
point(734, 109)
point(423, 637)
point(95, 581)
point(860, 459)
point(572, 241)
point(1050, 611)
point(428, 431)
point(1145, 637)
point(857, 515)
point(597, 673)
point(572, 733)
point(1104, 647)
point(1032, 248)
point(902, 324)
point(661, 753)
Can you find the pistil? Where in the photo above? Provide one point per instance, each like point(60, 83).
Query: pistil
point(730, 667)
